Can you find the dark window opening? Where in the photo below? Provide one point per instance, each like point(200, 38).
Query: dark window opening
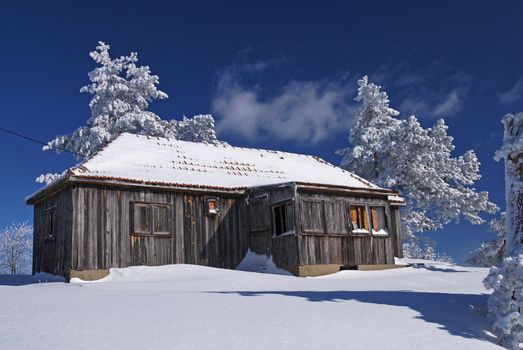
point(283, 218)
point(50, 224)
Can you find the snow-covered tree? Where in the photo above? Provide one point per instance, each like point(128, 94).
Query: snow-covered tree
point(416, 161)
point(491, 252)
point(16, 246)
point(506, 301)
point(199, 128)
point(122, 92)
point(424, 248)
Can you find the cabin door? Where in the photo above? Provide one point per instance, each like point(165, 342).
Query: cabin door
point(152, 238)
point(260, 225)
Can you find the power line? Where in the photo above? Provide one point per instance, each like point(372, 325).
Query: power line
point(40, 142)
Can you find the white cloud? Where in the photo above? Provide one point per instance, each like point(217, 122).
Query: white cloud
point(301, 111)
point(433, 105)
point(513, 94)
point(450, 104)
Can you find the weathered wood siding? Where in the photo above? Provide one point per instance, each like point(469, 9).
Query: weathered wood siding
point(52, 254)
point(93, 229)
point(103, 235)
point(324, 235)
point(396, 238)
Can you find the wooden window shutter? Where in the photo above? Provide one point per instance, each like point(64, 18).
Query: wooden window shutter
point(161, 219)
point(312, 216)
point(335, 219)
point(375, 225)
point(364, 218)
point(259, 214)
point(142, 219)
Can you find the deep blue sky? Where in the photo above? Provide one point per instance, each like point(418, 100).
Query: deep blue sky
point(460, 60)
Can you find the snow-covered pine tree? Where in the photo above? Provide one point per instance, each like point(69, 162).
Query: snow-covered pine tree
point(416, 161)
point(491, 252)
point(121, 93)
point(506, 301)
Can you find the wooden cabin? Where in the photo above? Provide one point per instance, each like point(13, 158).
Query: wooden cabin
point(154, 201)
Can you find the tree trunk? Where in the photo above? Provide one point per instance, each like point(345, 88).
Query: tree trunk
point(513, 185)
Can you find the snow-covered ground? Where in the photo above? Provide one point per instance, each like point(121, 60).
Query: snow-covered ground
point(195, 307)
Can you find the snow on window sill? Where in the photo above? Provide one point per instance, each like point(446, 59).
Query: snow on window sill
point(359, 231)
point(288, 233)
point(380, 232)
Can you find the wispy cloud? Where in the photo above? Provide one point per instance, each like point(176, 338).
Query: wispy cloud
point(435, 92)
point(434, 105)
point(513, 94)
point(450, 104)
point(248, 100)
point(300, 111)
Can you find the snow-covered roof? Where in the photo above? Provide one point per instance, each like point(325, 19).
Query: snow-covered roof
point(162, 161)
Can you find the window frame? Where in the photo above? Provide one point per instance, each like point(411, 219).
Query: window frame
point(362, 231)
point(289, 220)
point(385, 217)
point(151, 232)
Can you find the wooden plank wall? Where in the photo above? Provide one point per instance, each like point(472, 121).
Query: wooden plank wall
point(337, 247)
point(396, 223)
point(93, 231)
point(102, 230)
point(53, 255)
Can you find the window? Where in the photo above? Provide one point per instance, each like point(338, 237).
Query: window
point(358, 219)
point(149, 219)
point(283, 218)
point(50, 223)
point(379, 221)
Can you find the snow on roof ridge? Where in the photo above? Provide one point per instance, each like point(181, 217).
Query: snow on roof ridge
point(225, 145)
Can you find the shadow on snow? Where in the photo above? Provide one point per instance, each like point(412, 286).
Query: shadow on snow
point(458, 314)
point(437, 268)
point(23, 280)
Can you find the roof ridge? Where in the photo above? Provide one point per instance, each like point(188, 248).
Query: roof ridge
point(225, 145)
